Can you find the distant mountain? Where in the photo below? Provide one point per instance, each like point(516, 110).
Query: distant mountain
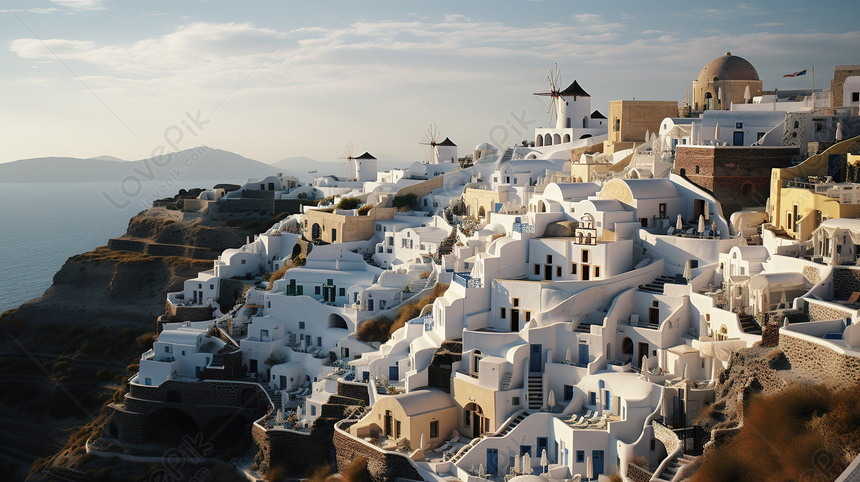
point(200, 163)
point(108, 158)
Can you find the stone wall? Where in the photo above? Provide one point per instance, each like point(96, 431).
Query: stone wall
point(770, 335)
point(225, 205)
point(229, 290)
point(826, 363)
point(202, 402)
point(354, 390)
point(257, 194)
point(439, 371)
point(819, 312)
point(638, 474)
point(845, 282)
point(840, 73)
point(383, 466)
point(188, 313)
point(296, 451)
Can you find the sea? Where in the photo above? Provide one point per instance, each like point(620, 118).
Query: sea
point(43, 224)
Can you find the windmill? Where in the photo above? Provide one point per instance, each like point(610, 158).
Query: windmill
point(432, 141)
point(557, 103)
point(349, 161)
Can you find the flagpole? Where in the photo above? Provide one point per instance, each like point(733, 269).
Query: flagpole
point(813, 89)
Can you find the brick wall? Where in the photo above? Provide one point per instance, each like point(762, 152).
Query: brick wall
point(738, 177)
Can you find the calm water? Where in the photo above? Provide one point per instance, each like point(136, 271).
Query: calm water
point(41, 225)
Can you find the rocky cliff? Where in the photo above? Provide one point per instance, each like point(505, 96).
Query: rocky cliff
point(64, 354)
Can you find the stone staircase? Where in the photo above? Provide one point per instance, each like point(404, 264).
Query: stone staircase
point(672, 469)
point(447, 244)
point(507, 155)
point(505, 383)
point(749, 324)
point(501, 433)
point(535, 392)
point(656, 286)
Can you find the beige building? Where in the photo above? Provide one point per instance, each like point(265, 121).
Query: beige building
point(629, 120)
point(340, 226)
point(729, 76)
point(480, 202)
point(428, 412)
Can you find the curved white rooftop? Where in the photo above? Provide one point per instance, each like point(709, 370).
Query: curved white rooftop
point(425, 400)
point(485, 146)
point(777, 281)
point(570, 191)
point(180, 337)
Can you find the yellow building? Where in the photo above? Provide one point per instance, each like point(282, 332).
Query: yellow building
point(629, 120)
point(428, 412)
point(339, 226)
point(801, 198)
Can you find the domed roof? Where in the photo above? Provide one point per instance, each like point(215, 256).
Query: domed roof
point(728, 67)
point(485, 146)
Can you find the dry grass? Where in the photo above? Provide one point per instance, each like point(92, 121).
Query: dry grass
point(800, 433)
point(380, 329)
point(357, 471)
point(279, 274)
point(104, 255)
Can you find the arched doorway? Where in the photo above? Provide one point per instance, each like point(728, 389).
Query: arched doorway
point(547, 140)
point(316, 231)
point(627, 346)
point(539, 141)
point(475, 420)
point(541, 207)
point(297, 250)
point(481, 212)
point(566, 138)
point(556, 139)
point(337, 321)
point(168, 426)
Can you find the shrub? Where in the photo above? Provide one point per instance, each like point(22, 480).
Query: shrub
point(299, 261)
point(380, 329)
point(357, 471)
point(277, 474)
point(279, 274)
point(786, 433)
point(363, 210)
point(405, 202)
point(348, 203)
point(133, 368)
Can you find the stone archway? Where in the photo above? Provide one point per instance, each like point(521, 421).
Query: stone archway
point(475, 420)
point(316, 231)
point(168, 427)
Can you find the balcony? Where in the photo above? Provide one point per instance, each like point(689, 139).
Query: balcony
point(466, 280)
point(524, 228)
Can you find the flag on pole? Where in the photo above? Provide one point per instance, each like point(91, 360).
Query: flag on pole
point(796, 74)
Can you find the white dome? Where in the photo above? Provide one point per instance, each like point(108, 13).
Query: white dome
point(486, 146)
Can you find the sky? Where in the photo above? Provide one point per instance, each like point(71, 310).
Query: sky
point(277, 79)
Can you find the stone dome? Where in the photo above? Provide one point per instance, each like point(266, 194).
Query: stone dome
point(728, 67)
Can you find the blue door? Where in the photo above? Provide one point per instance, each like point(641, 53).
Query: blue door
point(738, 139)
point(535, 364)
point(607, 397)
point(369, 305)
point(492, 461)
point(597, 462)
point(393, 373)
point(583, 354)
point(541, 446)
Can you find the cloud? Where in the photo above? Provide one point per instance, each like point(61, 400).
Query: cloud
point(769, 24)
point(83, 5)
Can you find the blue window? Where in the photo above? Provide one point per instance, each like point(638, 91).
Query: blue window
point(313, 410)
point(592, 398)
point(301, 325)
point(580, 456)
point(525, 449)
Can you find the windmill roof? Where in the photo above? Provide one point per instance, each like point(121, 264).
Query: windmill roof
point(447, 142)
point(366, 155)
point(575, 90)
point(597, 115)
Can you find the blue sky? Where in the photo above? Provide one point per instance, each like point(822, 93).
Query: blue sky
point(270, 79)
